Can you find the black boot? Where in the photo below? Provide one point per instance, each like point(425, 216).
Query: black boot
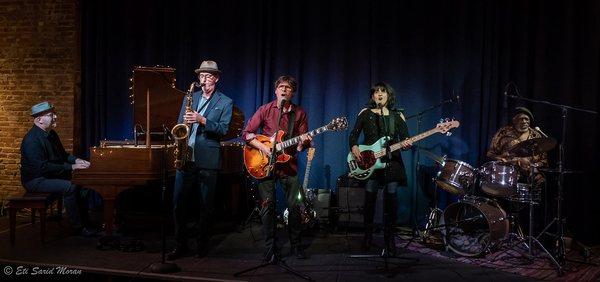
point(369, 212)
point(391, 208)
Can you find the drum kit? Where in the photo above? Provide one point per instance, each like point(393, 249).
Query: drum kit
point(477, 224)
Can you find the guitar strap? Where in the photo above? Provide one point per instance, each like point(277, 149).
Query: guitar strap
point(291, 119)
point(391, 124)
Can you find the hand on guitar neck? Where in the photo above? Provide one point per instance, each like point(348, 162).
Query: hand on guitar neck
point(259, 150)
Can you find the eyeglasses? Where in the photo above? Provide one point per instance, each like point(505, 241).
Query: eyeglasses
point(206, 76)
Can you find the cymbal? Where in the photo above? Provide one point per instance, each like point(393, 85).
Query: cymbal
point(533, 146)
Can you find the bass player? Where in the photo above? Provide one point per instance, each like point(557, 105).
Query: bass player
point(377, 120)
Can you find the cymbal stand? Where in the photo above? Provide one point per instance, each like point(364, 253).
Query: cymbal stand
point(559, 219)
point(530, 239)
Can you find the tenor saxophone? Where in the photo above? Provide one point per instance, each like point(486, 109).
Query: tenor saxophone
point(181, 133)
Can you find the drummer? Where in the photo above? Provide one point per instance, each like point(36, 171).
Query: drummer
point(506, 139)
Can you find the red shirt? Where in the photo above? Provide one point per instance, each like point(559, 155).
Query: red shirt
point(265, 119)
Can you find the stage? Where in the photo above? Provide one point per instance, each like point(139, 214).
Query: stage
point(232, 251)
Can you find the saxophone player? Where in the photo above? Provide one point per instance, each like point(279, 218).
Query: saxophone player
point(208, 120)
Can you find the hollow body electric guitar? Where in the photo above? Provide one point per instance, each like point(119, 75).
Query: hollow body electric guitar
point(257, 163)
point(371, 154)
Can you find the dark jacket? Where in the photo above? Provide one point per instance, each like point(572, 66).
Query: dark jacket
point(43, 155)
point(207, 148)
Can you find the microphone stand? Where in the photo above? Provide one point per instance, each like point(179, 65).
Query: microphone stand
point(163, 266)
point(559, 220)
point(417, 149)
point(275, 259)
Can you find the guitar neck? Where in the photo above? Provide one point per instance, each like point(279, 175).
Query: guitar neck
point(306, 174)
point(416, 138)
point(294, 141)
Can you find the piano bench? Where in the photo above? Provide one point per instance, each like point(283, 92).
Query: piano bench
point(39, 202)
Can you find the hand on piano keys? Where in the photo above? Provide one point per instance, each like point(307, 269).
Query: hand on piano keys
point(80, 164)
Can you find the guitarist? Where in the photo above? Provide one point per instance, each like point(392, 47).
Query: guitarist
point(380, 119)
point(293, 123)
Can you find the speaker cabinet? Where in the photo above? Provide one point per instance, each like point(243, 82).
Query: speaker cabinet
point(322, 205)
point(350, 202)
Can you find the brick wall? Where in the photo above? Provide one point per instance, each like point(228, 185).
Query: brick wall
point(39, 60)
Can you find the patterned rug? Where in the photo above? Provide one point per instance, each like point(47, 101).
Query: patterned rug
point(514, 259)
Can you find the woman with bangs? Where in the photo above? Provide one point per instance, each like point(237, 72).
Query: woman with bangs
point(380, 118)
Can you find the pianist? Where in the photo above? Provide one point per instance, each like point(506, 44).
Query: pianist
point(195, 183)
point(46, 167)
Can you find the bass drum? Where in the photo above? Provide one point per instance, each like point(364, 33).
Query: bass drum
point(474, 225)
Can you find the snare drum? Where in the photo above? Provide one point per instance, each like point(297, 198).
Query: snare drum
point(526, 194)
point(455, 176)
point(498, 179)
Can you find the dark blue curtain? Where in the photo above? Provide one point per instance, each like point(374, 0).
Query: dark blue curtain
point(428, 51)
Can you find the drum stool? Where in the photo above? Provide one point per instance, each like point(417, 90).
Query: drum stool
point(39, 202)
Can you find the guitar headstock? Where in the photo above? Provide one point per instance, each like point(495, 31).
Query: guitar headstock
point(446, 124)
point(310, 154)
point(339, 123)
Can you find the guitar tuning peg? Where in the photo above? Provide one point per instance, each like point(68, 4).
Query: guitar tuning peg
point(441, 120)
point(448, 133)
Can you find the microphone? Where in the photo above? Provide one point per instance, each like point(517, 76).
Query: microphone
point(379, 105)
point(283, 102)
point(457, 101)
point(540, 131)
point(198, 85)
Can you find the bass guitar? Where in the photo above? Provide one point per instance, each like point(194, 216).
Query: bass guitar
point(371, 154)
point(257, 163)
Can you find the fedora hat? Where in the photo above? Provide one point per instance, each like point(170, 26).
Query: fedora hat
point(41, 108)
point(208, 66)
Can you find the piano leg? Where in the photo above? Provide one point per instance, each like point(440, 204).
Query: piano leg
point(109, 212)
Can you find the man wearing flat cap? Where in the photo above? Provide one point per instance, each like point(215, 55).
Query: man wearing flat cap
point(195, 182)
point(505, 139)
point(508, 136)
point(46, 167)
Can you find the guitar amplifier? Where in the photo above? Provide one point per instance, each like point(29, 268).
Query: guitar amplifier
point(350, 202)
point(322, 205)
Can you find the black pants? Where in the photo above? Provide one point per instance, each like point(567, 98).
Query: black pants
point(193, 198)
point(76, 206)
point(291, 189)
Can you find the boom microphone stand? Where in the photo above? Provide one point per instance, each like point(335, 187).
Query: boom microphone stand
point(559, 219)
point(417, 148)
point(275, 259)
point(162, 266)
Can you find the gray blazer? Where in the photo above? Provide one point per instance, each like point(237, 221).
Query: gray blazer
point(207, 149)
